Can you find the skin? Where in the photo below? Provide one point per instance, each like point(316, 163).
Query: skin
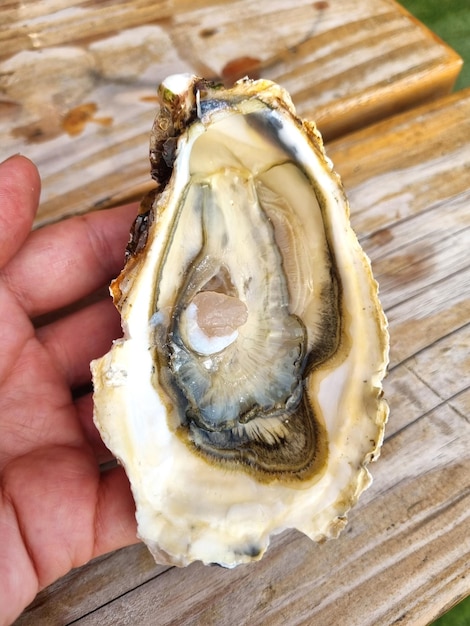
point(57, 511)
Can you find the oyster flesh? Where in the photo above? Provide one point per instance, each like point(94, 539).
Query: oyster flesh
point(245, 396)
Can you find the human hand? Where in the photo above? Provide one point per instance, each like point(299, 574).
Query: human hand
point(57, 511)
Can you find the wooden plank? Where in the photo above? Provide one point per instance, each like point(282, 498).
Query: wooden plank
point(410, 207)
point(425, 381)
point(81, 106)
point(437, 253)
point(445, 367)
point(87, 588)
point(386, 185)
point(435, 313)
point(405, 554)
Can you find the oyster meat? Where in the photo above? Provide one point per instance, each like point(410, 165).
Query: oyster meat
point(245, 396)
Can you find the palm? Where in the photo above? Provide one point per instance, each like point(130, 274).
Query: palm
point(56, 509)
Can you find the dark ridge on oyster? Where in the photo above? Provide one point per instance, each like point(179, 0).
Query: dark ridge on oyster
point(177, 112)
point(293, 445)
point(141, 226)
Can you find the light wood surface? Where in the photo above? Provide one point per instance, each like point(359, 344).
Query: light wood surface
point(405, 554)
point(78, 78)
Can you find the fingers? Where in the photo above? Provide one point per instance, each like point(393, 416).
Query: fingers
point(67, 511)
point(19, 196)
point(64, 262)
point(73, 341)
point(84, 406)
point(115, 524)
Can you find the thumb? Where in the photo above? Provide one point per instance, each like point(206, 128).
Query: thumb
point(19, 198)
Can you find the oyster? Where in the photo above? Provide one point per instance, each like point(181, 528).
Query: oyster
point(245, 396)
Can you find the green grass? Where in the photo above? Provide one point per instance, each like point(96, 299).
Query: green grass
point(450, 19)
point(458, 616)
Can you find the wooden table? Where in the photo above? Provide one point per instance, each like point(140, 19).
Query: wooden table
point(404, 556)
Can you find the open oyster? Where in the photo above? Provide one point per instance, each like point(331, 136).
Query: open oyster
point(245, 397)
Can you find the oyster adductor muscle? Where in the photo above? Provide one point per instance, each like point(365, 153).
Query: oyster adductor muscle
point(245, 396)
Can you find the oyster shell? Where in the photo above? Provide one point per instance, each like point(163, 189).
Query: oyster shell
point(245, 397)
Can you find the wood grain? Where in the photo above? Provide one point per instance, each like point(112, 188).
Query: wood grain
point(405, 554)
point(346, 64)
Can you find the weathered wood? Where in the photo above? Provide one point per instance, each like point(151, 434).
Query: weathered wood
point(411, 208)
point(405, 554)
point(78, 78)
point(85, 589)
